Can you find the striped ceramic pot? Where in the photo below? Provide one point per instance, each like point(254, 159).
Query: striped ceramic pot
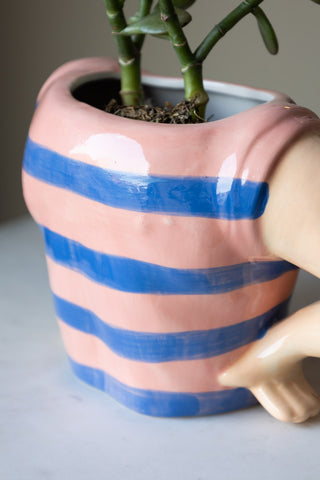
point(159, 274)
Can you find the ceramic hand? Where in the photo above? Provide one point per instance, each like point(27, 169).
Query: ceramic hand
point(272, 370)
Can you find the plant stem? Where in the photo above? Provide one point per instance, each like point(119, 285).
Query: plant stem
point(129, 56)
point(144, 9)
point(191, 68)
point(223, 27)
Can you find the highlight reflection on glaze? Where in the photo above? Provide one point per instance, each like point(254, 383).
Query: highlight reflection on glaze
point(110, 151)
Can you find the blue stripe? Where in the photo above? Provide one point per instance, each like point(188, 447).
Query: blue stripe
point(211, 197)
point(134, 276)
point(166, 347)
point(165, 404)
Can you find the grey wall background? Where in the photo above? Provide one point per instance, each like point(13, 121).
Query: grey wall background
point(39, 35)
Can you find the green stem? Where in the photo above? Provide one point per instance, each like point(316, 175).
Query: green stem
point(129, 57)
point(191, 68)
point(144, 9)
point(223, 27)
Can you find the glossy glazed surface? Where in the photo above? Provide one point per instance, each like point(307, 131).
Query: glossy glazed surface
point(156, 260)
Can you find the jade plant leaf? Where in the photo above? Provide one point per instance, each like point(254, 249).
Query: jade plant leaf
point(153, 25)
point(316, 1)
point(267, 32)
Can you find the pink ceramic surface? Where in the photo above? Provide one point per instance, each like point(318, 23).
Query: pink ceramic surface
point(197, 284)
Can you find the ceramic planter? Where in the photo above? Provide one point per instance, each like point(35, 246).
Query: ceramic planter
point(159, 274)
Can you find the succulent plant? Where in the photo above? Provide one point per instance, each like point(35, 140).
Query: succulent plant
point(166, 19)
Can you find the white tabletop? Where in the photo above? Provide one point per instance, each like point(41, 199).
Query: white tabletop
point(53, 426)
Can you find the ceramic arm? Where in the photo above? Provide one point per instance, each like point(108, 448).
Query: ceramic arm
point(271, 368)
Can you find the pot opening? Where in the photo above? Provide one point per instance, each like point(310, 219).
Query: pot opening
point(225, 99)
